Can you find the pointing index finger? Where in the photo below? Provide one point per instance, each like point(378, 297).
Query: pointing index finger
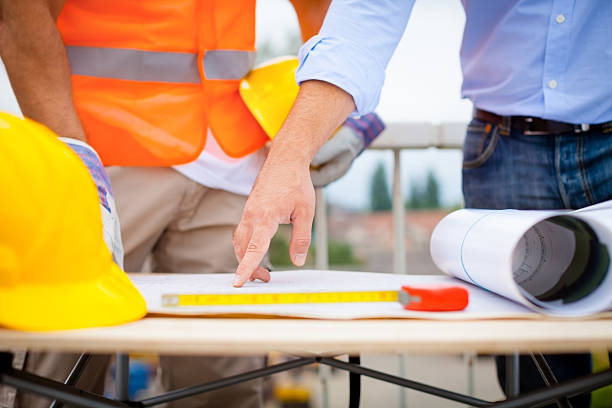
point(254, 253)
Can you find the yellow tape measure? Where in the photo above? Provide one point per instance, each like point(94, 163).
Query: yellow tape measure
point(174, 300)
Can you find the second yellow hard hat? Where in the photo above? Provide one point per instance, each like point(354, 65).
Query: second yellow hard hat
point(269, 92)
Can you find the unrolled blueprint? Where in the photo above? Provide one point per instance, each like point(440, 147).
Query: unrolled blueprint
point(482, 304)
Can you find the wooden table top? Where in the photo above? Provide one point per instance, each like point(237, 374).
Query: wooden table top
point(238, 336)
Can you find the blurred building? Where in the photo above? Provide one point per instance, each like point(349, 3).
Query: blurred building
point(371, 238)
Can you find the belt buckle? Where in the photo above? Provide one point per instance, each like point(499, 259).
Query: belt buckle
point(529, 131)
point(583, 127)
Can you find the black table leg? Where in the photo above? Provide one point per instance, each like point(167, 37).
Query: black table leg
point(354, 383)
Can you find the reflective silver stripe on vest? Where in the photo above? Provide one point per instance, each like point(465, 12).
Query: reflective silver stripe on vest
point(134, 65)
point(228, 64)
point(156, 66)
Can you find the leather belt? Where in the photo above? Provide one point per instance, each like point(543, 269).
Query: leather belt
point(536, 126)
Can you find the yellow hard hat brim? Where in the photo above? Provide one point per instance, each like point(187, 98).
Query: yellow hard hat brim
point(109, 300)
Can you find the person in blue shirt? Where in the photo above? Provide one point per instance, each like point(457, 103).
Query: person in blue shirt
point(538, 74)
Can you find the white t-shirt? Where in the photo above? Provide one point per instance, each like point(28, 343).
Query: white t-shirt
point(215, 169)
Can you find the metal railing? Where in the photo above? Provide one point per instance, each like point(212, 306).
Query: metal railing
point(396, 137)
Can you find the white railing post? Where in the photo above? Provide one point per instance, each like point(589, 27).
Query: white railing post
point(321, 258)
point(322, 262)
point(399, 247)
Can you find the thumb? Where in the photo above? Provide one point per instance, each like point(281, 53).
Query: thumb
point(300, 235)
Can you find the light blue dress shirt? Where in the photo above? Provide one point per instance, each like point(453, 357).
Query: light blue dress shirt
point(545, 58)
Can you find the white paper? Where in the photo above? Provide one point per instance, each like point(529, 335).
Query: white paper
point(482, 304)
point(494, 248)
point(541, 256)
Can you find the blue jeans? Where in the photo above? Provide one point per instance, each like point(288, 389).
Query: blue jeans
point(504, 168)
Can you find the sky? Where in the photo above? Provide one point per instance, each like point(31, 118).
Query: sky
point(422, 85)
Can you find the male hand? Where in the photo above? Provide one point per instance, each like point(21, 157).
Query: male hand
point(282, 194)
point(335, 157)
point(110, 221)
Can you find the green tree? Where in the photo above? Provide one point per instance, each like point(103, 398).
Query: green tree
point(432, 191)
point(415, 197)
point(380, 199)
point(424, 197)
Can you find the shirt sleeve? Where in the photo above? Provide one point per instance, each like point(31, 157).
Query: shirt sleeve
point(354, 46)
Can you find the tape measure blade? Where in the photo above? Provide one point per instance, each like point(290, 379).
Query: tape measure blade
point(174, 300)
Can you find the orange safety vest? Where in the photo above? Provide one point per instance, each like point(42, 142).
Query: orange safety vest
point(149, 77)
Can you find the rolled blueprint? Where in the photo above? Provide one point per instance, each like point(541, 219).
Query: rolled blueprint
point(555, 262)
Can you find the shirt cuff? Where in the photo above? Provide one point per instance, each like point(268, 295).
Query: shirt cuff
point(343, 63)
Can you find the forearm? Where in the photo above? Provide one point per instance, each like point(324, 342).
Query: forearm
point(35, 59)
point(320, 108)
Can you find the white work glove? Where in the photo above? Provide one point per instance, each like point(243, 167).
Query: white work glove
point(335, 157)
point(110, 221)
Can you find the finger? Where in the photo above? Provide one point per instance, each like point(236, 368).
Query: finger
point(254, 253)
point(261, 273)
point(300, 234)
point(241, 237)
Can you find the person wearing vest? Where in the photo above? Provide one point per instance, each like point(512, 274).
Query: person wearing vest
point(152, 87)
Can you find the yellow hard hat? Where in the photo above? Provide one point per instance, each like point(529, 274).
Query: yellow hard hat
point(55, 269)
point(269, 92)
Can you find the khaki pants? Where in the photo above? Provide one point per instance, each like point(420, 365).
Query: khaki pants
point(185, 228)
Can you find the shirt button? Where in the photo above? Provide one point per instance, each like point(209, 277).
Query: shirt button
point(560, 18)
point(552, 84)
